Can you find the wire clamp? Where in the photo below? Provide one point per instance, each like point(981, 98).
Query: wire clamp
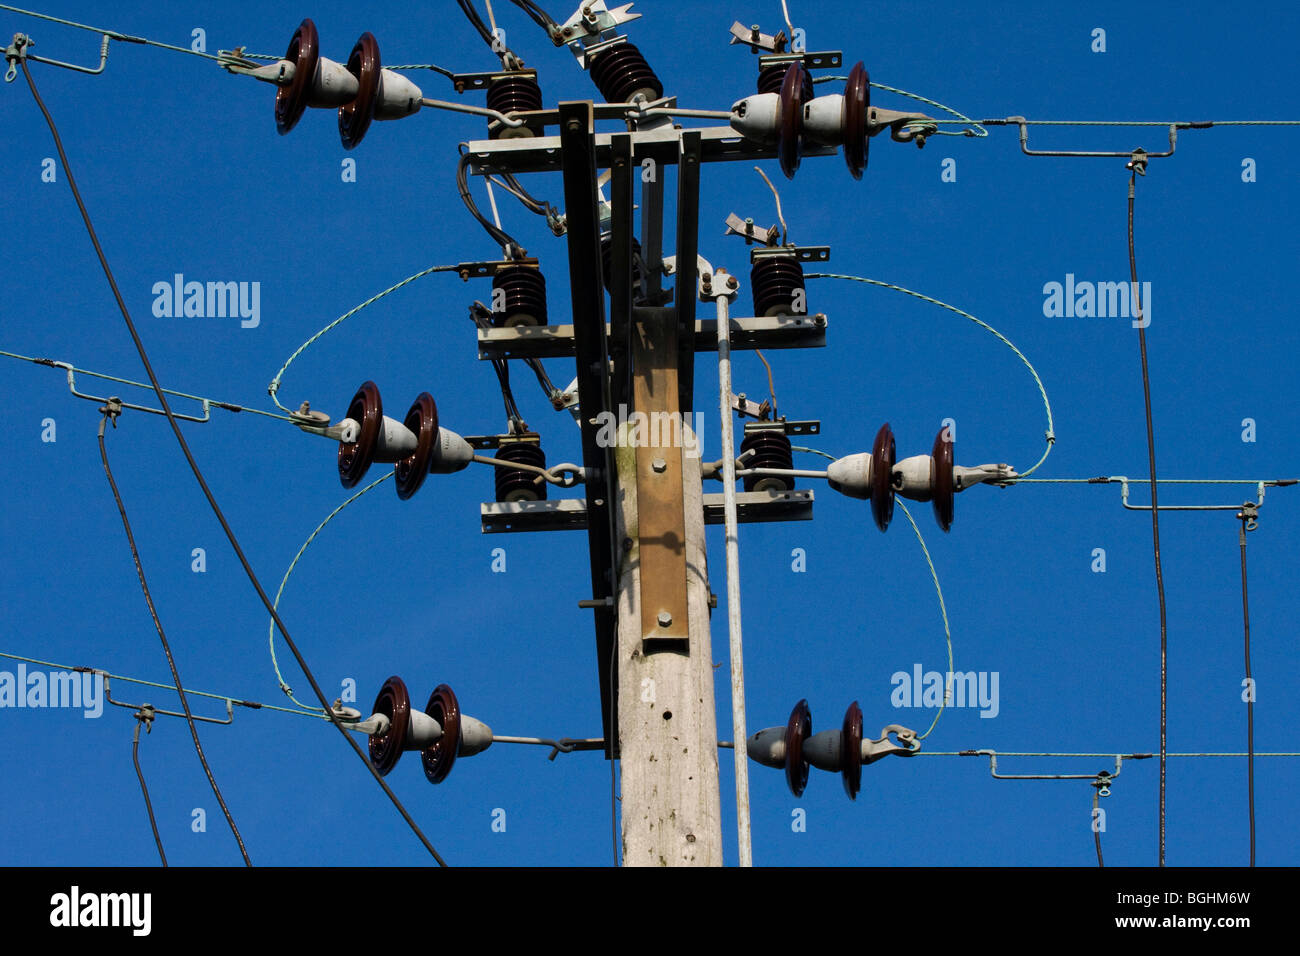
point(908, 744)
point(1249, 515)
point(111, 409)
point(1102, 783)
point(17, 50)
point(145, 715)
point(1139, 162)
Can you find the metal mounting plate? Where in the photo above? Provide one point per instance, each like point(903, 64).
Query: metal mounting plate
point(802, 253)
point(481, 81)
point(767, 332)
point(752, 507)
point(543, 153)
point(788, 428)
point(826, 60)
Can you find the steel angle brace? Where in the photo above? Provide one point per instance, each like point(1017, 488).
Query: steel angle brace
point(578, 162)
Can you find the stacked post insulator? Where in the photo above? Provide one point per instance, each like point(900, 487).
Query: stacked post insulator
point(516, 484)
point(621, 73)
point(607, 260)
point(514, 94)
point(771, 449)
point(525, 297)
point(770, 79)
point(774, 281)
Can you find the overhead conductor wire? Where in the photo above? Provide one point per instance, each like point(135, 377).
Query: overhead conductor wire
point(1250, 687)
point(1155, 507)
point(112, 412)
point(198, 474)
point(146, 717)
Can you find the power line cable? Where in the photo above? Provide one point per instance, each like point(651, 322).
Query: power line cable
point(1047, 405)
point(112, 34)
point(198, 474)
point(1246, 522)
point(1096, 827)
point(206, 402)
point(270, 628)
point(274, 387)
point(943, 610)
point(145, 716)
point(1155, 507)
point(111, 412)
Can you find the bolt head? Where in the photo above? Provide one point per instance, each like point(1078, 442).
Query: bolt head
point(665, 619)
point(659, 465)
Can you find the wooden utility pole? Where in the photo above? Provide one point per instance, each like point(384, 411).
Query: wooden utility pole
point(667, 730)
point(644, 512)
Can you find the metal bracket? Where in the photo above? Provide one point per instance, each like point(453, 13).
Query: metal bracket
point(1123, 492)
point(481, 81)
point(826, 60)
point(751, 233)
point(727, 285)
point(802, 253)
point(72, 387)
point(482, 270)
point(1133, 156)
point(592, 27)
point(811, 427)
point(480, 442)
point(108, 695)
point(993, 769)
point(17, 50)
point(756, 40)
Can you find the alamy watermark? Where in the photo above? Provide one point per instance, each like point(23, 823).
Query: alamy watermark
point(649, 430)
point(1103, 300)
point(208, 300)
point(965, 689)
point(74, 689)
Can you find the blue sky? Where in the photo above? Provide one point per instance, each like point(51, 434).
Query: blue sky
point(184, 173)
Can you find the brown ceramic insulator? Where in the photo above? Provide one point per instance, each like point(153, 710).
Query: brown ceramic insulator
point(607, 261)
point(514, 94)
point(789, 147)
point(851, 750)
point(775, 281)
point(445, 709)
point(797, 731)
point(517, 484)
point(394, 703)
point(304, 54)
point(355, 117)
point(882, 477)
point(422, 420)
point(523, 297)
point(941, 479)
point(770, 79)
point(621, 72)
point(355, 457)
point(771, 450)
point(857, 106)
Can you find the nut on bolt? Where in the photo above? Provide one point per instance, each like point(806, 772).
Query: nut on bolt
point(665, 619)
